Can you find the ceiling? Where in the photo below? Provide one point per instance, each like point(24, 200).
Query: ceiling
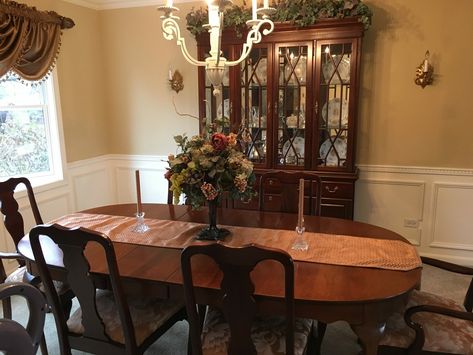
point(119, 4)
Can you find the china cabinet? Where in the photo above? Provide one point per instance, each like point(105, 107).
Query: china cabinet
point(296, 99)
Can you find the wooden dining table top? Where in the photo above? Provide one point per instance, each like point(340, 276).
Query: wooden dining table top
point(359, 295)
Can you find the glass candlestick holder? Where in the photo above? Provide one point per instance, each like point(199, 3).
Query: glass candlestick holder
point(300, 243)
point(140, 226)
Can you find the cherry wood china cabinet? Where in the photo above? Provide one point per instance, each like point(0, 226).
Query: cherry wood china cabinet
point(296, 96)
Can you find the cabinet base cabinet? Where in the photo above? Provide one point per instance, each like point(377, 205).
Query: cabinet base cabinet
point(337, 196)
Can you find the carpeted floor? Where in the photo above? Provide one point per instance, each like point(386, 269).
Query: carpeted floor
point(339, 339)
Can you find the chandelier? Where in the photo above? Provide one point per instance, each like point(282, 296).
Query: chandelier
point(215, 63)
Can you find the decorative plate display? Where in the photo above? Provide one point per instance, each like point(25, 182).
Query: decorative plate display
point(327, 152)
point(226, 109)
point(289, 151)
point(261, 72)
point(343, 69)
point(334, 112)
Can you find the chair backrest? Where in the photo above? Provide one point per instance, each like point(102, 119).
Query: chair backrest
point(14, 339)
point(72, 242)
point(9, 207)
point(279, 192)
point(238, 302)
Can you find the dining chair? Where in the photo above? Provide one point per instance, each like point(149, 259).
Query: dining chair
point(432, 324)
point(278, 192)
point(235, 328)
point(107, 321)
point(14, 338)
point(14, 224)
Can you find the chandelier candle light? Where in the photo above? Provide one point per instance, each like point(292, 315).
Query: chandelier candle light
point(215, 64)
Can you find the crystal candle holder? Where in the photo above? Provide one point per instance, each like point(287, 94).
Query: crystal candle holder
point(140, 226)
point(300, 243)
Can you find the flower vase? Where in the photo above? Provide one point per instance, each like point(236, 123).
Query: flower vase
point(212, 232)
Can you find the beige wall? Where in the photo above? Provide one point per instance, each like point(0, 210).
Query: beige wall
point(81, 84)
point(401, 123)
point(115, 96)
point(139, 100)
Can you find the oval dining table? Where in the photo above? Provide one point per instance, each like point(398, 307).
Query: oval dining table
point(364, 297)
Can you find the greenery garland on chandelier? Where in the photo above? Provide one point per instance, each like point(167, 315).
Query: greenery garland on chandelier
point(299, 12)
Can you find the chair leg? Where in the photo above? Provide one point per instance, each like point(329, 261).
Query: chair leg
point(66, 307)
point(6, 305)
point(42, 346)
point(321, 328)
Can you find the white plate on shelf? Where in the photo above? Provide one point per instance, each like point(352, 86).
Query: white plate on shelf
point(290, 151)
point(334, 115)
point(343, 69)
point(327, 152)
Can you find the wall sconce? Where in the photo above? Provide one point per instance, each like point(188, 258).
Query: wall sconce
point(425, 72)
point(176, 81)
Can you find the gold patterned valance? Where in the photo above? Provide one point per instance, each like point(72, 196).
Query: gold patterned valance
point(29, 40)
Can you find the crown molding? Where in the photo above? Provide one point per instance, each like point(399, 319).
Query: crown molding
point(119, 4)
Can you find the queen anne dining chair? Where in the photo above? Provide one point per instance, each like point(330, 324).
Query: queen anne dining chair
point(107, 322)
point(14, 223)
point(432, 324)
point(235, 328)
point(14, 338)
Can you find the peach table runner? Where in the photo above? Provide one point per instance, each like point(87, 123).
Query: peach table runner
point(323, 248)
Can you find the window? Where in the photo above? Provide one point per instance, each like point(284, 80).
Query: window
point(29, 136)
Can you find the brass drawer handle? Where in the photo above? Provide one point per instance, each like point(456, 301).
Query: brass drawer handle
point(271, 181)
point(270, 198)
point(335, 189)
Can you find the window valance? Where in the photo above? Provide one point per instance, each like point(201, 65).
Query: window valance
point(29, 40)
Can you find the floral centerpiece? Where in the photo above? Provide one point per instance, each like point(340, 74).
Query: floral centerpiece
point(207, 166)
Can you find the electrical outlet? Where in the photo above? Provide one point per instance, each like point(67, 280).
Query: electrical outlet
point(411, 223)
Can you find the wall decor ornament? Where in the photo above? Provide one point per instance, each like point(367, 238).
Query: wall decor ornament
point(425, 72)
point(176, 80)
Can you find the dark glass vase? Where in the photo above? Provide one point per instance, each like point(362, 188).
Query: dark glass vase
point(212, 232)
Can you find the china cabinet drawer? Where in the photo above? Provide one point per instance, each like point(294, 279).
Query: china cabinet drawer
point(273, 185)
point(253, 204)
point(337, 208)
point(337, 190)
point(272, 202)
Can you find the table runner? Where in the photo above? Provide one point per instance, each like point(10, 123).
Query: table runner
point(323, 248)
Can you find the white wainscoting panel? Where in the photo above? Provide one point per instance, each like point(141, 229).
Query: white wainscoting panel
point(389, 203)
point(451, 204)
point(91, 183)
point(153, 184)
point(439, 198)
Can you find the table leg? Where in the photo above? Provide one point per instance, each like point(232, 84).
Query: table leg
point(369, 334)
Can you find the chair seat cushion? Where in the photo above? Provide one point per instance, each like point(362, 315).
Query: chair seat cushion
point(442, 333)
point(147, 314)
point(267, 333)
point(20, 275)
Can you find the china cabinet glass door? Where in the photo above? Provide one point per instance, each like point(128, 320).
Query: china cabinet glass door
point(291, 105)
point(333, 105)
point(254, 104)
